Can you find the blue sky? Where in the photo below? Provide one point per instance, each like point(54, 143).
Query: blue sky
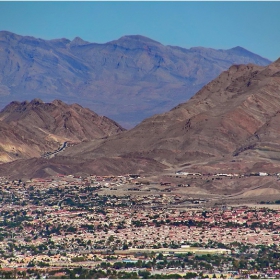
point(221, 25)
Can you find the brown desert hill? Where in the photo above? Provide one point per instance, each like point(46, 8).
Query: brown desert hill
point(128, 79)
point(41, 167)
point(230, 125)
point(29, 129)
point(233, 117)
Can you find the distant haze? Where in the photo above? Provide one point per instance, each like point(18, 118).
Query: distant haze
point(128, 79)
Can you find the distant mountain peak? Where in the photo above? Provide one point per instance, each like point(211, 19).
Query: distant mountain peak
point(134, 41)
point(15, 103)
point(5, 32)
point(238, 48)
point(9, 35)
point(127, 79)
point(14, 106)
point(138, 38)
point(241, 51)
point(77, 41)
point(58, 102)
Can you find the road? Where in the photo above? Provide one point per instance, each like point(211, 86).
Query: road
point(52, 154)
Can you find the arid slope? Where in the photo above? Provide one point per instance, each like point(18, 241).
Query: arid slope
point(235, 115)
point(29, 129)
point(231, 125)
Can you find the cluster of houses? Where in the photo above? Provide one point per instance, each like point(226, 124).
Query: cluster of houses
point(61, 219)
point(184, 173)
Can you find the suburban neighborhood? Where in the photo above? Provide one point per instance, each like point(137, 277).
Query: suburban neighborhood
point(55, 227)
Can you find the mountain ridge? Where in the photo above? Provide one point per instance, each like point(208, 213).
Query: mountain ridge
point(221, 118)
point(229, 126)
point(29, 129)
point(128, 79)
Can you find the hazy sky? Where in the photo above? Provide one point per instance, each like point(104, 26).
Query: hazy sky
point(221, 25)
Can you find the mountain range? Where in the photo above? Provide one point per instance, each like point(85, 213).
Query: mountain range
point(128, 79)
point(230, 125)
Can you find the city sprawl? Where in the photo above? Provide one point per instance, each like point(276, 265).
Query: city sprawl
point(74, 227)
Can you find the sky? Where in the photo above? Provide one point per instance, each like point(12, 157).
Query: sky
point(252, 25)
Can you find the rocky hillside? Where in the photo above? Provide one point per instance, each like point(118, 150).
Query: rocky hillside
point(128, 79)
point(233, 122)
point(30, 129)
point(230, 125)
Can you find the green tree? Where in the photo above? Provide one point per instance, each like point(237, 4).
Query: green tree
point(144, 273)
